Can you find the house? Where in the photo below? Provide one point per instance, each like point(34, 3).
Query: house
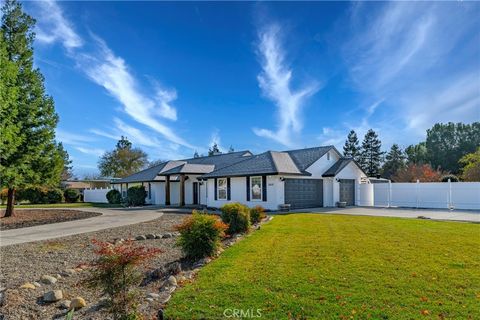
point(303, 178)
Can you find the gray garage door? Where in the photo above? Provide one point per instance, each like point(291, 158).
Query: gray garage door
point(347, 191)
point(304, 193)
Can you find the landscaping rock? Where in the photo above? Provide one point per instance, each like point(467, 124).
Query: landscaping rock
point(149, 299)
point(165, 299)
point(172, 281)
point(181, 278)
point(153, 295)
point(65, 304)
point(2, 298)
point(53, 296)
point(28, 285)
point(158, 236)
point(167, 235)
point(59, 276)
point(69, 272)
point(36, 284)
point(150, 236)
point(141, 237)
point(48, 279)
point(78, 303)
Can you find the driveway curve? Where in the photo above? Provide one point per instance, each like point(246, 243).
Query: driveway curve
point(110, 218)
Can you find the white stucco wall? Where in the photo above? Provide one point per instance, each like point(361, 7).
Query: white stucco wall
point(238, 191)
point(322, 164)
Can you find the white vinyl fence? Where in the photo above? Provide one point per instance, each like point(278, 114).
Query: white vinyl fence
point(96, 195)
point(451, 195)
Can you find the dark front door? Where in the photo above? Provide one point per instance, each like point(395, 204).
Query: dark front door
point(304, 193)
point(347, 191)
point(195, 193)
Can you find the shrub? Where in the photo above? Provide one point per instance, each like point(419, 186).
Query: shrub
point(237, 216)
point(257, 213)
point(34, 195)
point(200, 235)
point(136, 196)
point(54, 196)
point(453, 178)
point(114, 196)
point(115, 272)
point(71, 195)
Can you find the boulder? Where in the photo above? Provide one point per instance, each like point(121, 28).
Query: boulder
point(167, 235)
point(150, 236)
point(140, 237)
point(48, 279)
point(65, 304)
point(78, 303)
point(149, 299)
point(53, 296)
point(28, 285)
point(153, 295)
point(165, 299)
point(158, 236)
point(172, 281)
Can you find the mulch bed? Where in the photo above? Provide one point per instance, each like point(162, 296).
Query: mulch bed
point(27, 262)
point(34, 217)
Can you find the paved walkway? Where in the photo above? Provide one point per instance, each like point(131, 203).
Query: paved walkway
point(110, 218)
point(434, 214)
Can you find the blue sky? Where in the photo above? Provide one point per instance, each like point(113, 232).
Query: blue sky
point(174, 77)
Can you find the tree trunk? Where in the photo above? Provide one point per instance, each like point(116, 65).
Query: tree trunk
point(10, 203)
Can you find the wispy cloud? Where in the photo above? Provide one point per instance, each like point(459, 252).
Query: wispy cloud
point(91, 151)
point(72, 138)
point(52, 26)
point(419, 59)
point(275, 80)
point(110, 71)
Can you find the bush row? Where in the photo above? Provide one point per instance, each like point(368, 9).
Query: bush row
point(42, 195)
point(136, 196)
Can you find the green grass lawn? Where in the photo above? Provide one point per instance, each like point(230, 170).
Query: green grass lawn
point(316, 266)
point(65, 205)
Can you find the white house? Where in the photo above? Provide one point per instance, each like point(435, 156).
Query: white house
point(303, 178)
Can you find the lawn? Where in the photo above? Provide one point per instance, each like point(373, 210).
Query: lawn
point(315, 266)
point(65, 205)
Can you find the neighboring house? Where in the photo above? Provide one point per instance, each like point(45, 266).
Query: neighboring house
point(304, 178)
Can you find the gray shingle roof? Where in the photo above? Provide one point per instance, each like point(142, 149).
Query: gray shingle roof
point(269, 162)
point(304, 158)
point(190, 168)
point(171, 167)
point(337, 167)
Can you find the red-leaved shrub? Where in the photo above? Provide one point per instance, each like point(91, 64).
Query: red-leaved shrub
point(115, 273)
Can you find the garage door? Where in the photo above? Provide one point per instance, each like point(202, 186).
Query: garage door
point(347, 191)
point(304, 193)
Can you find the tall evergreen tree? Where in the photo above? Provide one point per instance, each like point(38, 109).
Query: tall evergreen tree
point(67, 163)
point(213, 150)
point(351, 149)
point(33, 157)
point(395, 161)
point(123, 161)
point(371, 154)
point(196, 155)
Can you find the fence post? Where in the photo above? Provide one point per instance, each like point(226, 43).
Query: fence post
point(450, 205)
point(417, 192)
point(389, 192)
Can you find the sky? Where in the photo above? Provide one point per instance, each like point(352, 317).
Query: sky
point(174, 77)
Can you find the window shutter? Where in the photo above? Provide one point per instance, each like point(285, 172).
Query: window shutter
point(248, 188)
point(264, 188)
point(228, 188)
point(215, 196)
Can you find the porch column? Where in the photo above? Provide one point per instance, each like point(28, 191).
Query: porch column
point(167, 190)
point(182, 190)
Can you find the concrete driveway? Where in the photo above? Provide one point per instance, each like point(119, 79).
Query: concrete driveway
point(434, 214)
point(110, 218)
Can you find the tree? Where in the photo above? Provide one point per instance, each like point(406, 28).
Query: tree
point(351, 149)
point(471, 166)
point(155, 163)
point(123, 161)
point(371, 154)
point(32, 157)
point(213, 150)
point(417, 153)
point(395, 161)
point(67, 173)
point(447, 143)
point(413, 172)
point(230, 150)
point(196, 155)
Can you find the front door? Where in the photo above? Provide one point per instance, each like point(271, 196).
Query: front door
point(195, 193)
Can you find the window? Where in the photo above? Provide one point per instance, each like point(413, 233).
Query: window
point(222, 189)
point(328, 156)
point(256, 188)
